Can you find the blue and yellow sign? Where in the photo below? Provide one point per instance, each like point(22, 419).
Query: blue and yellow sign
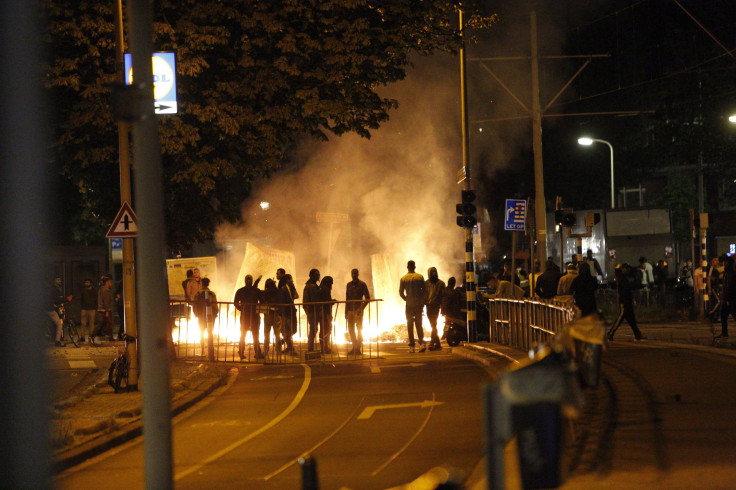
point(164, 80)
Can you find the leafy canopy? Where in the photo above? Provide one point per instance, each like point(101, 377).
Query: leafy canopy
point(253, 77)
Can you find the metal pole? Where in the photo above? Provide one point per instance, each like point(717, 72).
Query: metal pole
point(469, 255)
point(128, 322)
point(613, 187)
point(25, 190)
point(540, 208)
point(151, 259)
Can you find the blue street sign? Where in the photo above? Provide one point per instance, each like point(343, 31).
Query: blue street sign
point(116, 243)
point(515, 212)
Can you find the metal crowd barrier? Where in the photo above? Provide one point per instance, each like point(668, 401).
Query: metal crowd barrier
point(191, 340)
point(525, 323)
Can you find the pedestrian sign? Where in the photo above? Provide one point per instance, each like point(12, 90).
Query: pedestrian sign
point(125, 223)
point(515, 212)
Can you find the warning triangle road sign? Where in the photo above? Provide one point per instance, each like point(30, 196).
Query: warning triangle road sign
point(125, 223)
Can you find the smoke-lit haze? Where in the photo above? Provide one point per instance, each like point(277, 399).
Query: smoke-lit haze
point(400, 187)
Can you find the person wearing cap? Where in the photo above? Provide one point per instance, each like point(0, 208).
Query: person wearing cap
point(626, 282)
point(412, 289)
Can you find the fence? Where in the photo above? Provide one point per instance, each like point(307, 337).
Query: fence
point(216, 334)
point(524, 323)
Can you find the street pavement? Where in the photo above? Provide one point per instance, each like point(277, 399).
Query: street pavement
point(662, 415)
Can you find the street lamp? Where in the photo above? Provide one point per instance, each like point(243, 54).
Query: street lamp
point(590, 141)
point(732, 118)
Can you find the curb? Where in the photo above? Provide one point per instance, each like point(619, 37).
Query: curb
point(134, 428)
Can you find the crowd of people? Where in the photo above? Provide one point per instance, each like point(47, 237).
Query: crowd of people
point(96, 310)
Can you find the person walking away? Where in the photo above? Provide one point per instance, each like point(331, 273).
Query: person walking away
point(271, 317)
point(412, 290)
point(563, 287)
point(728, 297)
point(595, 266)
point(88, 300)
point(583, 290)
point(288, 311)
point(246, 302)
point(647, 273)
point(55, 308)
point(626, 283)
point(206, 310)
point(103, 316)
point(435, 291)
point(310, 295)
point(548, 281)
point(325, 331)
point(357, 297)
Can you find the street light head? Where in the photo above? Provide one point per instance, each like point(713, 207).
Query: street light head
point(585, 141)
point(732, 118)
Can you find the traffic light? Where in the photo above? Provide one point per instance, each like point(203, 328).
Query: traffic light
point(592, 219)
point(565, 217)
point(466, 210)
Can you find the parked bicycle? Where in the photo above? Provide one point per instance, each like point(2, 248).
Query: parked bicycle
point(69, 327)
point(117, 375)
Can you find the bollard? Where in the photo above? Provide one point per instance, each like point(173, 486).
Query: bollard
point(588, 334)
point(528, 402)
point(309, 473)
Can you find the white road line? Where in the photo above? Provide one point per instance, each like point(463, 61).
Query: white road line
point(416, 434)
point(294, 403)
point(313, 448)
point(369, 411)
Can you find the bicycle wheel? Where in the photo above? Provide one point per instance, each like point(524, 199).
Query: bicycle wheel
point(73, 332)
point(121, 374)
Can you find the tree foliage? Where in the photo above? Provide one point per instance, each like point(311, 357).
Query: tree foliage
point(253, 78)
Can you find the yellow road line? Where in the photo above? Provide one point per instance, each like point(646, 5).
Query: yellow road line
point(294, 403)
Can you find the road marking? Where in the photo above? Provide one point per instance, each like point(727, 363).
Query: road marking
point(263, 378)
point(294, 403)
point(377, 369)
point(369, 411)
point(408, 443)
point(313, 448)
point(82, 364)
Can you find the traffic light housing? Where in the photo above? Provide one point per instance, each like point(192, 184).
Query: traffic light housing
point(466, 209)
point(565, 217)
point(592, 219)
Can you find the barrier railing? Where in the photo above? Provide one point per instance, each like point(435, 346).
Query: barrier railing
point(221, 324)
point(524, 323)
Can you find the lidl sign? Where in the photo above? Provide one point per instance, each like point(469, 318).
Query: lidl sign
point(164, 80)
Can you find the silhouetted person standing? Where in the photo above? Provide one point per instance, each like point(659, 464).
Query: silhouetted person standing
point(356, 297)
point(412, 289)
point(435, 289)
point(246, 301)
point(206, 310)
point(311, 294)
point(583, 289)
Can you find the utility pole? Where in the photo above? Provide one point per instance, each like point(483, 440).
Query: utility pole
point(129, 320)
point(469, 255)
point(540, 208)
point(151, 254)
point(536, 112)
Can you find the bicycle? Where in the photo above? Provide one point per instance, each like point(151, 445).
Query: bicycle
point(117, 375)
point(68, 327)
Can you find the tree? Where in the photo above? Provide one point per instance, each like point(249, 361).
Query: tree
point(253, 78)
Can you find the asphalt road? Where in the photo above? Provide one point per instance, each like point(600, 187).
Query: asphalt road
point(69, 368)
point(367, 424)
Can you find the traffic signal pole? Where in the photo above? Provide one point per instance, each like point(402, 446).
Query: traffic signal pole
point(469, 253)
point(129, 317)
